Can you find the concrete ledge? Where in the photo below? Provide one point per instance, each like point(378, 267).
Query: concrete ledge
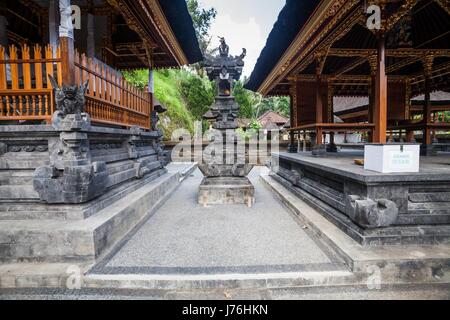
point(218, 281)
point(406, 263)
point(38, 275)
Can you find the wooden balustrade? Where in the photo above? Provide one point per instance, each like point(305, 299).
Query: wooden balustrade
point(110, 99)
point(25, 91)
point(27, 94)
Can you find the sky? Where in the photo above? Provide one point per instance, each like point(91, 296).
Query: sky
point(244, 24)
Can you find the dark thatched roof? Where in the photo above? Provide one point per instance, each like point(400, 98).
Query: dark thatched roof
point(290, 21)
point(177, 14)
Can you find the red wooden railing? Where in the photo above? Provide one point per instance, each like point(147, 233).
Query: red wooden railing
point(110, 98)
point(27, 94)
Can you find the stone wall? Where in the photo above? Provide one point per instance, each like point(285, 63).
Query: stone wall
point(73, 162)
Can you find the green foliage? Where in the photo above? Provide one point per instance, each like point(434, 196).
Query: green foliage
point(197, 92)
point(167, 91)
point(202, 18)
point(186, 95)
point(245, 99)
point(277, 104)
point(253, 105)
point(255, 125)
point(138, 78)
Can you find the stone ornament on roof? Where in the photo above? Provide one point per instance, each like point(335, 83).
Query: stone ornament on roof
point(224, 66)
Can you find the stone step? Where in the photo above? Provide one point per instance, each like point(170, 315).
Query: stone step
point(30, 210)
point(429, 207)
point(38, 275)
point(119, 166)
point(120, 177)
point(410, 262)
point(82, 240)
point(18, 193)
point(430, 197)
point(217, 281)
point(11, 177)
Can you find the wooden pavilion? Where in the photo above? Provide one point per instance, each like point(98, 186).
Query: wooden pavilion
point(108, 36)
point(319, 50)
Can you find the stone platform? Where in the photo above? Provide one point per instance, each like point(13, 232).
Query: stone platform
point(373, 208)
point(226, 190)
point(31, 233)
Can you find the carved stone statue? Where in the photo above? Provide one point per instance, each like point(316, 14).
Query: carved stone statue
point(224, 49)
point(155, 116)
point(69, 99)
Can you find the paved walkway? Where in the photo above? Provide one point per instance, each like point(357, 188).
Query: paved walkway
point(183, 237)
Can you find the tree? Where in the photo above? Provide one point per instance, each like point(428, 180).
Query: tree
point(203, 19)
point(245, 99)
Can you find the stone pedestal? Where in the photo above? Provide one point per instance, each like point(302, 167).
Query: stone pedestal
point(226, 190)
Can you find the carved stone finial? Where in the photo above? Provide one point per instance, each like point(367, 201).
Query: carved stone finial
point(224, 49)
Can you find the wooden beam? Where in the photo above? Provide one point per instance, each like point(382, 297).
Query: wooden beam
point(401, 64)
point(350, 66)
point(445, 4)
point(405, 8)
point(350, 21)
point(397, 53)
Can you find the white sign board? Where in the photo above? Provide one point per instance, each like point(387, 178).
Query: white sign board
point(392, 158)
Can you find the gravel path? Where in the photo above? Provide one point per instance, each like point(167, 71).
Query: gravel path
point(185, 237)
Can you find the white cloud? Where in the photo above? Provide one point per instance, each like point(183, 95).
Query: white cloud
point(239, 35)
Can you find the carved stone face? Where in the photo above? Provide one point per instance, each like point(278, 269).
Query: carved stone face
point(69, 99)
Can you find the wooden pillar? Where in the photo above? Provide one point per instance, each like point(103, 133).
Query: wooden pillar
point(373, 61)
point(319, 102)
point(293, 115)
point(91, 36)
point(330, 114)
point(53, 24)
point(3, 32)
point(380, 92)
point(66, 43)
point(428, 66)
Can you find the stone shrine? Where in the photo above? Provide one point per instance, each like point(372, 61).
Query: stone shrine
point(225, 164)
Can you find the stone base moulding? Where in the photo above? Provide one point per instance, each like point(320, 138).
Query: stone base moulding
point(73, 162)
point(373, 208)
point(226, 190)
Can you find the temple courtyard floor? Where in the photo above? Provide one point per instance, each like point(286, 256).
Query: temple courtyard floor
point(278, 249)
